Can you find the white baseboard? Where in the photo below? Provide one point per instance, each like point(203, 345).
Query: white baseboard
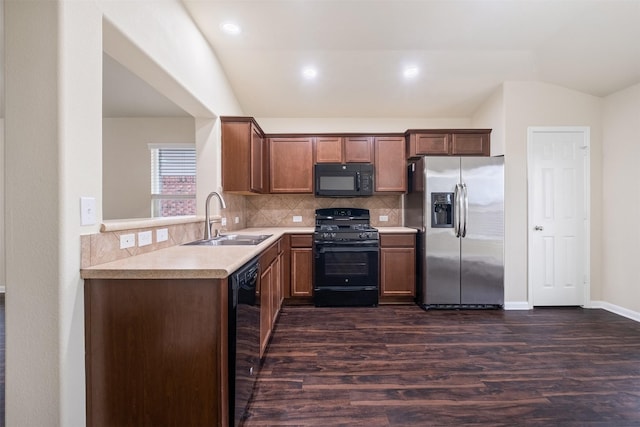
point(625, 312)
point(516, 305)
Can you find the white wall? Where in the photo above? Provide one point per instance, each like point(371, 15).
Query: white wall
point(621, 198)
point(54, 156)
point(126, 177)
point(353, 124)
point(491, 115)
point(538, 104)
point(2, 193)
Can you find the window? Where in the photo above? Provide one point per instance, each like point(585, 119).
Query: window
point(173, 179)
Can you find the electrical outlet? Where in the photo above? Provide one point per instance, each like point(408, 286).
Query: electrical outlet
point(162, 235)
point(236, 220)
point(223, 221)
point(145, 238)
point(297, 218)
point(384, 218)
point(127, 241)
point(87, 210)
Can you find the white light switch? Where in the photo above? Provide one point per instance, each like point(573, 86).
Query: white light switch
point(297, 218)
point(384, 218)
point(87, 210)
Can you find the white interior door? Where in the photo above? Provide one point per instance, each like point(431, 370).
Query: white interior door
point(558, 160)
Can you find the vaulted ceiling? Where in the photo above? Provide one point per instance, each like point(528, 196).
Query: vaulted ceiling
point(460, 52)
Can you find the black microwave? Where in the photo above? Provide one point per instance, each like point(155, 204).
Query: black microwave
point(348, 180)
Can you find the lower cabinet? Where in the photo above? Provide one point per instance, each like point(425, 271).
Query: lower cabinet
point(156, 352)
point(301, 266)
point(397, 267)
point(271, 293)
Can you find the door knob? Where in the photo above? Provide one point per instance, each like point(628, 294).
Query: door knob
point(538, 228)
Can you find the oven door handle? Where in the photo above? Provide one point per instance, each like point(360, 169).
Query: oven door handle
point(325, 249)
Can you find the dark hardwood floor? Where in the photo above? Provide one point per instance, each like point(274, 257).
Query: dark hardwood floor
point(2, 358)
point(402, 366)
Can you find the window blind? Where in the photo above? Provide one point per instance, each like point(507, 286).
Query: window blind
point(173, 179)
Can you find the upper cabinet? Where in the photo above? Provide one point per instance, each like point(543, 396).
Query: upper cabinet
point(244, 156)
point(358, 149)
point(255, 163)
point(458, 142)
point(291, 165)
point(329, 149)
point(390, 164)
point(348, 149)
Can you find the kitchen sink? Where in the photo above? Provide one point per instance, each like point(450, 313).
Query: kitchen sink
point(231, 240)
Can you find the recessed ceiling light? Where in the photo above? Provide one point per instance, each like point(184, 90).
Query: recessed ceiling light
point(410, 72)
point(230, 28)
point(309, 73)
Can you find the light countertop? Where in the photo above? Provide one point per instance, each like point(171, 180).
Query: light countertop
point(197, 262)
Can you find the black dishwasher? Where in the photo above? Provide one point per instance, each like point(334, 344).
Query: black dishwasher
point(244, 338)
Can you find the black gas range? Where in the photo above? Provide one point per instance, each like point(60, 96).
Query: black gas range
point(346, 257)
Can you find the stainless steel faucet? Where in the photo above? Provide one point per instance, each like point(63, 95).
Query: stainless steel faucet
point(207, 221)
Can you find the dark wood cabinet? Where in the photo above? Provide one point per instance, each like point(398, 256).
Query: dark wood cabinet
point(329, 149)
point(301, 265)
point(470, 144)
point(390, 164)
point(347, 149)
point(155, 352)
point(291, 165)
point(271, 294)
point(397, 267)
point(244, 156)
point(258, 161)
point(455, 142)
point(435, 144)
point(358, 149)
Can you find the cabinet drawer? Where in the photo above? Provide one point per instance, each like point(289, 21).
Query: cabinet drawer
point(269, 255)
point(301, 240)
point(397, 240)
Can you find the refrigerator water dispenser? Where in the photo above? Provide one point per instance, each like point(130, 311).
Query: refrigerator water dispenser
point(442, 210)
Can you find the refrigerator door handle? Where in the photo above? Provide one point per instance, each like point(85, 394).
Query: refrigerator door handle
point(456, 210)
point(465, 207)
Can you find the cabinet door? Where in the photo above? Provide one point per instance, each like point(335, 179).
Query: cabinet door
point(236, 155)
point(301, 267)
point(358, 149)
point(390, 164)
point(291, 165)
point(397, 271)
point(258, 155)
point(276, 294)
point(470, 144)
point(329, 149)
point(429, 144)
point(265, 308)
point(397, 265)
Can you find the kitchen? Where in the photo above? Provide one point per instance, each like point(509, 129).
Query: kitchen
point(55, 304)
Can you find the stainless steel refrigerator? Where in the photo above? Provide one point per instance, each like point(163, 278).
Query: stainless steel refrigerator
point(457, 206)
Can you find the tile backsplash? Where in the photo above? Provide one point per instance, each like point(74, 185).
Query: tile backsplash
point(279, 210)
point(270, 210)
